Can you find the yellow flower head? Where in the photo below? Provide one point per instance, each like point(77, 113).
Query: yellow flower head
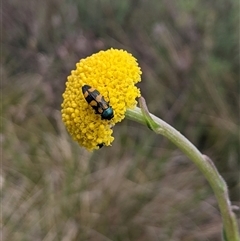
point(112, 76)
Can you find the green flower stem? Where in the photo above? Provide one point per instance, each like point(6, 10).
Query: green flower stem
point(204, 163)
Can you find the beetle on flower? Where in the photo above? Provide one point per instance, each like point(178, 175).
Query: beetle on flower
point(97, 102)
point(113, 75)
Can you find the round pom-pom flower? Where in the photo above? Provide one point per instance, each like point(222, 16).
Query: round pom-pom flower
point(98, 93)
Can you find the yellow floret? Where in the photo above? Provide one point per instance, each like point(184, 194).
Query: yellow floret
point(114, 74)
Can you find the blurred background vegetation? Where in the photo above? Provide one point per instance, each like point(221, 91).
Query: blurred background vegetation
point(142, 188)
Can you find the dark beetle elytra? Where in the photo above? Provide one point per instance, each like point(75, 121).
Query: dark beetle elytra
point(97, 102)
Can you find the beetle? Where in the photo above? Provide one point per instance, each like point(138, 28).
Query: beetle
point(100, 145)
point(97, 102)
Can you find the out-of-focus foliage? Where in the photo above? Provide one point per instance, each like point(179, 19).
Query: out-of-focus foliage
point(141, 188)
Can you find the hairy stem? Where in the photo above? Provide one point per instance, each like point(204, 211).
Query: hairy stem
point(203, 162)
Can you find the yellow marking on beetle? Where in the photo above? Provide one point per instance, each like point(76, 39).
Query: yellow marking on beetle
point(93, 103)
